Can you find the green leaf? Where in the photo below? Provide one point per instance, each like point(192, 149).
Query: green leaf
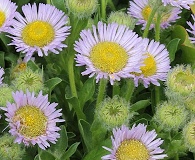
point(172, 48)
point(71, 150)
point(84, 128)
point(140, 105)
point(32, 65)
point(187, 55)
point(75, 104)
point(44, 155)
point(98, 151)
point(61, 145)
point(2, 61)
point(87, 91)
point(51, 83)
point(98, 132)
point(60, 4)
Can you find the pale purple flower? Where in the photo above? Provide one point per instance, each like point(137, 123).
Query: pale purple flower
point(134, 143)
point(42, 29)
point(179, 3)
point(7, 13)
point(156, 64)
point(192, 31)
point(109, 51)
point(32, 120)
point(141, 9)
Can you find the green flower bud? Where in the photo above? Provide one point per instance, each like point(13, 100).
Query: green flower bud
point(28, 79)
point(6, 95)
point(170, 116)
point(188, 135)
point(82, 8)
point(10, 150)
point(113, 112)
point(180, 82)
point(122, 18)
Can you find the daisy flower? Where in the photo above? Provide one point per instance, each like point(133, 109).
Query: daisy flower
point(192, 31)
point(156, 64)
point(179, 3)
point(42, 30)
point(141, 9)
point(109, 51)
point(32, 120)
point(134, 143)
point(7, 13)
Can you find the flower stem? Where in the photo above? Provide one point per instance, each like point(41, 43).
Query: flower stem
point(71, 76)
point(157, 89)
point(103, 9)
point(116, 89)
point(48, 1)
point(130, 89)
point(152, 14)
point(157, 28)
point(101, 92)
point(176, 157)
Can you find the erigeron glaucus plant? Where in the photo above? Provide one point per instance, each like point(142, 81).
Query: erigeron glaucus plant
point(97, 79)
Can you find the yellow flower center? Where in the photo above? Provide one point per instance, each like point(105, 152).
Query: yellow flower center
point(150, 66)
point(22, 66)
point(185, 79)
point(32, 120)
point(132, 150)
point(2, 18)
point(146, 12)
point(109, 57)
point(38, 33)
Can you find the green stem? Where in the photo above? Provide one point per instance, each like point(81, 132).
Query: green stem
point(194, 155)
point(116, 89)
point(111, 5)
point(48, 1)
point(71, 76)
point(101, 92)
point(150, 18)
point(103, 9)
point(157, 28)
point(157, 89)
point(176, 157)
point(130, 89)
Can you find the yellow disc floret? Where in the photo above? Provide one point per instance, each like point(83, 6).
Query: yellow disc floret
point(150, 66)
point(2, 18)
point(109, 57)
point(32, 120)
point(146, 12)
point(38, 33)
point(132, 150)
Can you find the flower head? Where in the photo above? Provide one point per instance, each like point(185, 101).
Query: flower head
point(6, 94)
point(109, 51)
point(179, 3)
point(9, 150)
point(82, 8)
point(189, 134)
point(122, 19)
point(29, 79)
point(42, 30)
point(141, 9)
point(32, 120)
point(192, 31)
point(7, 13)
point(170, 115)
point(180, 82)
point(114, 112)
point(134, 143)
point(156, 64)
